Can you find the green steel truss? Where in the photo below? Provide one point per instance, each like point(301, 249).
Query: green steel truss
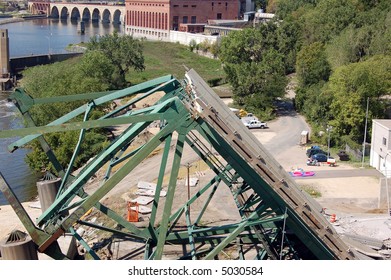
point(276, 218)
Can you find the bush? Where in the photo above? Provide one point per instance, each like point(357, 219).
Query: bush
point(347, 139)
point(192, 45)
point(215, 82)
point(204, 46)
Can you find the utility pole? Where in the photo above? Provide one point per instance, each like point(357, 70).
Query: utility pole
point(188, 185)
point(328, 129)
point(365, 134)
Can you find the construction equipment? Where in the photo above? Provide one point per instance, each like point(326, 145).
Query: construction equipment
point(275, 215)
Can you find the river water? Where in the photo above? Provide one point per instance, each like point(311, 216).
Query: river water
point(38, 36)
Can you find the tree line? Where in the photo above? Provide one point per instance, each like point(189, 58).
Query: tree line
point(340, 51)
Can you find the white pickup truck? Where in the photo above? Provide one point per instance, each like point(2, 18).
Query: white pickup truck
point(255, 124)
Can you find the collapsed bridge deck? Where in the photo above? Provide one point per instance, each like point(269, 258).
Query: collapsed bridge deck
point(275, 213)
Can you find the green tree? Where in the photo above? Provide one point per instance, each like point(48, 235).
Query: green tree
point(312, 65)
point(289, 42)
point(97, 68)
point(284, 8)
point(327, 19)
point(124, 52)
point(352, 45)
point(254, 67)
point(64, 78)
point(314, 102)
point(350, 87)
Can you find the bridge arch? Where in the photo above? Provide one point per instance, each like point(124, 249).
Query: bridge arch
point(54, 13)
point(95, 15)
point(86, 16)
point(106, 16)
point(75, 14)
point(64, 13)
point(87, 12)
point(117, 17)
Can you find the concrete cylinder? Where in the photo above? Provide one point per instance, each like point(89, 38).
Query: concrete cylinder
point(82, 27)
point(47, 191)
point(19, 246)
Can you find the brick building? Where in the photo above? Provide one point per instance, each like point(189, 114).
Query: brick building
point(155, 18)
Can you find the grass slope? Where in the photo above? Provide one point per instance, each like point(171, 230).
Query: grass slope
point(163, 58)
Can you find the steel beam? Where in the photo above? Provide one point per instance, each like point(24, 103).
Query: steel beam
point(267, 199)
point(99, 101)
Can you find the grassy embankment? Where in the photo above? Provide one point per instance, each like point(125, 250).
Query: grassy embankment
point(162, 58)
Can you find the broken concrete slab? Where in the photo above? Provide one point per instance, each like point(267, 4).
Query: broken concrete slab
point(142, 209)
point(193, 182)
point(146, 185)
point(147, 192)
point(143, 200)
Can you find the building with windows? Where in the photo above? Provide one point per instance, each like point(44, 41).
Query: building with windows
point(155, 19)
point(380, 157)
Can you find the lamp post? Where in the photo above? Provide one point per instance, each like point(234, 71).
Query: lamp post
point(328, 129)
point(386, 175)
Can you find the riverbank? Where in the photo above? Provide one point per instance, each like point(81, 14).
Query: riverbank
point(10, 20)
point(6, 20)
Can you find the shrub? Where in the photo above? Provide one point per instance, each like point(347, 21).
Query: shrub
point(192, 45)
point(215, 82)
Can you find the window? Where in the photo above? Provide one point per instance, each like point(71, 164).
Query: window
point(193, 19)
point(185, 19)
point(384, 141)
point(185, 6)
point(175, 23)
point(194, 6)
point(175, 6)
point(219, 16)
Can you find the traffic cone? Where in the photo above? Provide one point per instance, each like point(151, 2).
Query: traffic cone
point(333, 218)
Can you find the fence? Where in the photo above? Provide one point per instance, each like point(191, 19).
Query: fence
point(357, 153)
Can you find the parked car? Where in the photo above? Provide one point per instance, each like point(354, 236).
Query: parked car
point(315, 150)
point(255, 124)
point(319, 157)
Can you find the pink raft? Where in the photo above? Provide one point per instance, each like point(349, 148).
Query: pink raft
point(301, 173)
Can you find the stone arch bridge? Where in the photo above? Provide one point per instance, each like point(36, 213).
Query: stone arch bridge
point(95, 12)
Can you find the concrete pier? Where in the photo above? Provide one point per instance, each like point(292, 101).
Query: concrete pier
point(18, 246)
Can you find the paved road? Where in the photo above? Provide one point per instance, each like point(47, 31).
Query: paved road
point(282, 139)
point(288, 128)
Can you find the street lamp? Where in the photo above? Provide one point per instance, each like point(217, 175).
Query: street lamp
point(385, 171)
point(328, 129)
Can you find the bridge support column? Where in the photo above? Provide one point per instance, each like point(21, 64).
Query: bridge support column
point(18, 246)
